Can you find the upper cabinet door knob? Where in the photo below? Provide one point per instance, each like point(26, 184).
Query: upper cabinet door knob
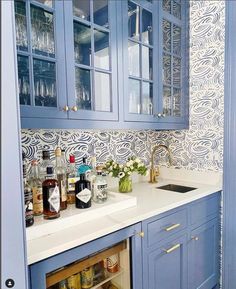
point(66, 108)
point(159, 115)
point(74, 108)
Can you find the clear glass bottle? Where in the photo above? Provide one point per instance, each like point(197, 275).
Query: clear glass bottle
point(46, 162)
point(51, 196)
point(36, 189)
point(100, 187)
point(61, 177)
point(71, 180)
point(28, 197)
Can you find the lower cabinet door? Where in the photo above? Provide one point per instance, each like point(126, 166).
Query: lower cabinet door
point(203, 256)
point(165, 266)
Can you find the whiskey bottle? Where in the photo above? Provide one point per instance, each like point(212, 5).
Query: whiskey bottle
point(36, 189)
point(45, 163)
point(71, 180)
point(83, 193)
point(51, 196)
point(28, 197)
point(61, 177)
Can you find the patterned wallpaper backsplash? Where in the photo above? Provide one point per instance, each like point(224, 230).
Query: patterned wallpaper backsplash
point(200, 147)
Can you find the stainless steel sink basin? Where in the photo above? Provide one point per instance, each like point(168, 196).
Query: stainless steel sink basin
point(176, 188)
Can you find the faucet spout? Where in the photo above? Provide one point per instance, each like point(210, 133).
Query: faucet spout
point(153, 172)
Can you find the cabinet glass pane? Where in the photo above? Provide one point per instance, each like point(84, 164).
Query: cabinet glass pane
point(42, 29)
point(134, 20)
point(134, 96)
point(100, 12)
point(101, 49)
point(176, 71)
point(134, 56)
point(176, 40)
point(167, 100)
point(166, 28)
point(102, 90)
point(176, 102)
point(147, 98)
point(83, 88)
point(44, 83)
point(176, 9)
point(166, 69)
point(82, 43)
point(166, 5)
point(45, 2)
point(146, 62)
point(81, 8)
point(146, 27)
point(23, 79)
point(21, 26)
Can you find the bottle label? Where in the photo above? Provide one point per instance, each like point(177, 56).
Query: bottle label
point(84, 195)
point(54, 199)
point(28, 205)
point(37, 200)
point(71, 184)
point(63, 191)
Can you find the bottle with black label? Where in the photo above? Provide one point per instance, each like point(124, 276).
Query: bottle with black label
point(28, 196)
point(51, 196)
point(83, 193)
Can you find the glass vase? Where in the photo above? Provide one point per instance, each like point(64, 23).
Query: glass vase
point(125, 185)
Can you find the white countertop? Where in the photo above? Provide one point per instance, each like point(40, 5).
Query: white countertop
point(150, 202)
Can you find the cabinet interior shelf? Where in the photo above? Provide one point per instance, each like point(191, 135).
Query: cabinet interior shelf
point(74, 268)
point(109, 276)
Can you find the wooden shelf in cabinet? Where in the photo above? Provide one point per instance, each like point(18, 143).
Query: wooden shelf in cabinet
point(72, 269)
point(109, 276)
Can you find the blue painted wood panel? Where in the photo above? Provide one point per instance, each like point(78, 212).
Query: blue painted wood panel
point(203, 256)
point(229, 180)
point(13, 250)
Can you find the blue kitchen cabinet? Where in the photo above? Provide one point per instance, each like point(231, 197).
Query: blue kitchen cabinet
point(181, 247)
point(49, 272)
point(103, 64)
point(40, 59)
point(203, 258)
point(155, 57)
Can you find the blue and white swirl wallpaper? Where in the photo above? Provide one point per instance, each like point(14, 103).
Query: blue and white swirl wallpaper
point(200, 147)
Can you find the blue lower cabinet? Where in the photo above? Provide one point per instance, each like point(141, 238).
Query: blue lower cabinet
point(126, 243)
point(165, 267)
point(203, 256)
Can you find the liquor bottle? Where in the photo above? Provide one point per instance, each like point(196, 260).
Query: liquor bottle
point(45, 163)
point(71, 180)
point(28, 197)
point(83, 193)
point(84, 168)
point(36, 189)
point(100, 187)
point(51, 196)
point(63, 157)
point(61, 177)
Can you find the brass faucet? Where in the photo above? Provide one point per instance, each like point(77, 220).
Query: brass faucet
point(154, 172)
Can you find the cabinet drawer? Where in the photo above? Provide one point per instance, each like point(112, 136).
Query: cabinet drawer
point(201, 210)
point(166, 226)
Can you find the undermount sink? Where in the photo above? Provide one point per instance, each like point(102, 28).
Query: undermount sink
point(176, 188)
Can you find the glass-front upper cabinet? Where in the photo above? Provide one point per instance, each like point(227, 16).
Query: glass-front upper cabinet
point(90, 25)
point(154, 62)
point(40, 56)
point(173, 40)
point(140, 32)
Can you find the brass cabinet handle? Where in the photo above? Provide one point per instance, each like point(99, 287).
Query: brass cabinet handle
point(74, 108)
point(173, 248)
point(141, 234)
point(172, 227)
point(159, 115)
point(66, 108)
point(195, 238)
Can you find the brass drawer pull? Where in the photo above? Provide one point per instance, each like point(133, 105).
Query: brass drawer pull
point(172, 227)
point(172, 249)
point(141, 234)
